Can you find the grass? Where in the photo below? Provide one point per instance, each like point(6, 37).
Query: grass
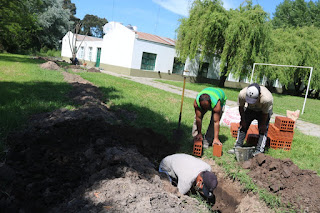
point(281, 102)
point(26, 89)
point(159, 110)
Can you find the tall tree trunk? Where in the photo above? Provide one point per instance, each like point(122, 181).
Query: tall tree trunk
point(223, 77)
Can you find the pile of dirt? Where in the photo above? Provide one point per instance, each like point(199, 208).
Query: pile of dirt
point(86, 160)
point(296, 187)
point(93, 70)
point(50, 65)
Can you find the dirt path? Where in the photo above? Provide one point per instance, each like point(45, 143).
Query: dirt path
point(87, 160)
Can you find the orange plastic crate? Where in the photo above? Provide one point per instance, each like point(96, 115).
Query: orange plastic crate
point(284, 123)
point(280, 143)
point(197, 148)
point(234, 129)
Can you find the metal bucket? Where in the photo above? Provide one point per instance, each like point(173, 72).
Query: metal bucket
point(244, 153)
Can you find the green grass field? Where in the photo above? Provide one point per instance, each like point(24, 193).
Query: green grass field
point(27, 89)
point(281, 102)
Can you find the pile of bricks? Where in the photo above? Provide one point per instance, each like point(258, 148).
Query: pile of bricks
point(252, 134)
point(281, 133)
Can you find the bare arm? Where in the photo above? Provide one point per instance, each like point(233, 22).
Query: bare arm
point(217, 111)
point(199, 116)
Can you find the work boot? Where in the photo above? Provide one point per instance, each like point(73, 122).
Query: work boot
point(205, 143)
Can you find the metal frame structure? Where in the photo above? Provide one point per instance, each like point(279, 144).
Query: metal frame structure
point(279, 65)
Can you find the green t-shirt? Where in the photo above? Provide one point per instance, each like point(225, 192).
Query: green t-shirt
point(215, 94)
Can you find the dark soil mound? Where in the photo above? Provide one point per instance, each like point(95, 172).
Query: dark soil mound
point(93, 70)
point(297, 187)
point(49, 160)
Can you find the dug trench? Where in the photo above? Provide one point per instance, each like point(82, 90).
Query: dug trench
point(89, 160)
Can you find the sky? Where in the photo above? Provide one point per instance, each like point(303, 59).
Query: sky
point(158, 17)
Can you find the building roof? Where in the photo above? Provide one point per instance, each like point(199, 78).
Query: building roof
point(88, 38)
point(155, 38)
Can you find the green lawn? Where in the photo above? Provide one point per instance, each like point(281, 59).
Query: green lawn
point(26, 89)
point(281, 102)
point(159, 110)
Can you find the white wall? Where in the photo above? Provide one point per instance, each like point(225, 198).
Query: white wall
point(117, 45)
point(165, 55)
point(66, 51)
point(87, 44)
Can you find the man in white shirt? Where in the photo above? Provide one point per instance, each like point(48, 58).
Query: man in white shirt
point(190, 172)
point(255, 102)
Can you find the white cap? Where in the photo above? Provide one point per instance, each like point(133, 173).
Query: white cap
point(253, 93)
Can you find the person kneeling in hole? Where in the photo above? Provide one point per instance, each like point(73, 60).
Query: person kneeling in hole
point(190, 173)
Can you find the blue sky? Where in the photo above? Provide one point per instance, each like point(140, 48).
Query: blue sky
point(159, 17)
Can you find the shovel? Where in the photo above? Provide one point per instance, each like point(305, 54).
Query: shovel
point(178, 133)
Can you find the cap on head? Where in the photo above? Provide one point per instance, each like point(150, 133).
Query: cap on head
point(210, 182)
point(253, 93)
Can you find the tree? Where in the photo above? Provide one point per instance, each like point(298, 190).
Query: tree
point(295, 46)
point(238, 37)
point(93, 25)
point(54, 23)
point(246, 40)
point(297, 13)
point(18, 24)
point(203, 32)
point(73, 10)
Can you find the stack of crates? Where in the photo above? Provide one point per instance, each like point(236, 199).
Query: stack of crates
point(281, 133)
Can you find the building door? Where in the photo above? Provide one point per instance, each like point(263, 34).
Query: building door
point(98, 57)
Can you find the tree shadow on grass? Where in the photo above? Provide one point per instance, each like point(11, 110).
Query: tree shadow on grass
point(60, 155)
point(23, 59)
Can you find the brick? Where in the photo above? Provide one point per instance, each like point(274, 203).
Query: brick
point(234, 129)
point(197, 148)
point(284, 123)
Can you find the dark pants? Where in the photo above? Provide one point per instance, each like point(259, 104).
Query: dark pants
point(249, 116)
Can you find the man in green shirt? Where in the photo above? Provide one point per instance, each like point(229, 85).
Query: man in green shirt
point(209, 99)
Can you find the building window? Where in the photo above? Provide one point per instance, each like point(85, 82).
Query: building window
point(204, 70)
point(81, 52)
point(90, 53)
point(178, 66)
point(148, 61)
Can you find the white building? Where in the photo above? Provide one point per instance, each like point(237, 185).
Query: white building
point(125, 50)
point(89, 47)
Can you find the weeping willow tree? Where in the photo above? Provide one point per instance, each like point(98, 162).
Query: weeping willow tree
point(295, 46)
point(238, 37)
point(247, 41)
point(203, 33)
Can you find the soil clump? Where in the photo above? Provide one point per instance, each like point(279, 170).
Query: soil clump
point(50, 65)
point(296, 187)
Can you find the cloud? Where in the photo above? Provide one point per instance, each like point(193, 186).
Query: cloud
point(180, 7)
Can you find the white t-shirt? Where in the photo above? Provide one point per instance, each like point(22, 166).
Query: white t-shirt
point(185, 168)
